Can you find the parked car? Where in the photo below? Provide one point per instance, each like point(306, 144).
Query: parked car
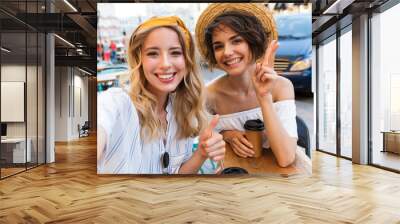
point(293, 57)
point(111, 76)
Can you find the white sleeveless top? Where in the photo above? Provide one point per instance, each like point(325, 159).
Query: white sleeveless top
point(285, 109)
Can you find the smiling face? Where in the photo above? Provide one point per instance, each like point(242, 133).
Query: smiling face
point(231, 51)
point(163, 60)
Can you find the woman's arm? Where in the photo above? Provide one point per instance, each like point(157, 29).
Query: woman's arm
point(111, 106)
point(282, 144)
point(269, 87)
point(193, 165)
point(211, 145)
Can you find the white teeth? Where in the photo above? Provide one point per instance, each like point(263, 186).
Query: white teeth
point(233, 61)
point(166, 76)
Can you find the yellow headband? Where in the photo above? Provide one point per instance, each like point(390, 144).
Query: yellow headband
point(166, 21)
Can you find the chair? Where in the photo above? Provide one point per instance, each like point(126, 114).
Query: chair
point(84, 130)
point(303, 136)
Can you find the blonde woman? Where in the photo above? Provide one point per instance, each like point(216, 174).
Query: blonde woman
point(149, 128)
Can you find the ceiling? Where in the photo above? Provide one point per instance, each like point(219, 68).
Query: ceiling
point(74, 21)
point(330, 15)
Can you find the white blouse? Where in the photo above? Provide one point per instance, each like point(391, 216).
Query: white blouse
point(285, 109)
point(125, 151)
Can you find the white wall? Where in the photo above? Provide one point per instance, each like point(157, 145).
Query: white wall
point(71, 102)
point(80, 109)
point(33, 126)
point(12, 73)
point(62, 81)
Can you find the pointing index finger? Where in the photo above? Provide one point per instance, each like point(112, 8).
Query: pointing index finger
point(269, 59)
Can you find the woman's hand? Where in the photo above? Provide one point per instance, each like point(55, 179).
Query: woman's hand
point(264, 77)
point(239, 143)
point(211, 144)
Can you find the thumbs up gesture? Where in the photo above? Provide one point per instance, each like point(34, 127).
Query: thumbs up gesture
point(211, 144)
point(264, 77)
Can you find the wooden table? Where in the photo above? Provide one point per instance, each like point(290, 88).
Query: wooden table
point(266, 164)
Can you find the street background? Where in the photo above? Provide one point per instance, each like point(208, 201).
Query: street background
point(117, 21)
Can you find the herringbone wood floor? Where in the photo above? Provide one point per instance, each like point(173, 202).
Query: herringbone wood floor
point(69, 191)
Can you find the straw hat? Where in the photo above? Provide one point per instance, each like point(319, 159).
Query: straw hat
point(258, 10)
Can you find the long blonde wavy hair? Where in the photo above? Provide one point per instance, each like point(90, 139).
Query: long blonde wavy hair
point(189, 99)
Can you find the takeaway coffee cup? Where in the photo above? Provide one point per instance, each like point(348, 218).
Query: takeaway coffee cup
point(254, 132)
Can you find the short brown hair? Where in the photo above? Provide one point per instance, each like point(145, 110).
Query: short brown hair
point(247, 26)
